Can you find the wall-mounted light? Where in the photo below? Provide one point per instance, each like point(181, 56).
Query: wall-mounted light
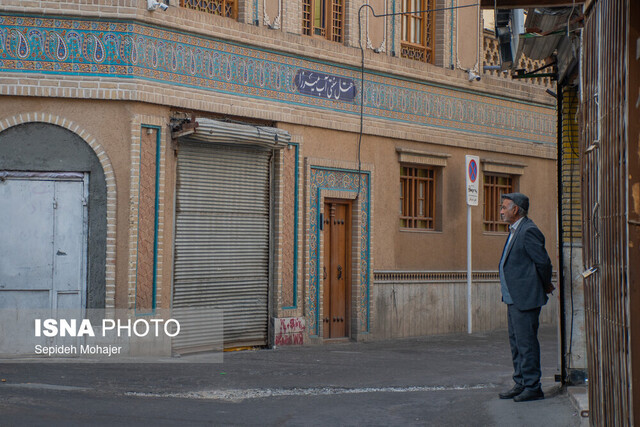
point(155, 4)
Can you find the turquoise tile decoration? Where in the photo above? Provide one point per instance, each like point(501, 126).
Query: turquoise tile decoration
point(341, 180)
point(131, 50)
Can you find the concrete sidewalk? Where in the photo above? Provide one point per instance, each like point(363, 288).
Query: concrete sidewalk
point(443, 380)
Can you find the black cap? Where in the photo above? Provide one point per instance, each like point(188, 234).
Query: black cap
point(519, 199)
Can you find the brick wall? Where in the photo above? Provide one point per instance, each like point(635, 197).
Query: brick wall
point(145, 286)
point(142, 213)
point(286, 41)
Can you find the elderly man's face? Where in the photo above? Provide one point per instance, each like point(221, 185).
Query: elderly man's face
point(509, 211)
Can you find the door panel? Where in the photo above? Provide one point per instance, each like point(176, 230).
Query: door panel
point(26, 234)
point(42, 236)
point(336, 270)
point(68, 249)
point(326, 270)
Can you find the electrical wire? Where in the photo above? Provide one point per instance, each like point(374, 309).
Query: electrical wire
point(439, 9)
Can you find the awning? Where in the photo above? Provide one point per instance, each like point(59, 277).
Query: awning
point(221, 132)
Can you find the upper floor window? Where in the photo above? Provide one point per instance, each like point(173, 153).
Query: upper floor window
point(323, 18)
point(494, 187)
point(226, 8)
point(418, 197)
point(418, 28)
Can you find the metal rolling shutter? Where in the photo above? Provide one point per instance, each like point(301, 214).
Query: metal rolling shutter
point(221, 242)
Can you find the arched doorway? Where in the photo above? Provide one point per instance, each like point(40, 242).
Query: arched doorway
point(53, 231)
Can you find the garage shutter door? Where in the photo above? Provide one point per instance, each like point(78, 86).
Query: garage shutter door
point(221, 243)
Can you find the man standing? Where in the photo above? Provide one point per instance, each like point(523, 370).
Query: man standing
point(525, 268)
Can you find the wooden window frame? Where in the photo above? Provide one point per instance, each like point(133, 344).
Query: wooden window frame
point(411, 182)
point(226, 8)
point(330, 13)
point(493, 191)
point(422, 49)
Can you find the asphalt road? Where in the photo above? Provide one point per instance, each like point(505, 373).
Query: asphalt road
point(448, 380)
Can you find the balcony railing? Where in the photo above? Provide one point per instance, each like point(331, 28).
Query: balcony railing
point(492, 57)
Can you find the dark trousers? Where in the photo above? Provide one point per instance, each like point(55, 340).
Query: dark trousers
point(525, 348)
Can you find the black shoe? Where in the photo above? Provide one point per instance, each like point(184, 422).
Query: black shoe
point(529, 395)
point(510, 394)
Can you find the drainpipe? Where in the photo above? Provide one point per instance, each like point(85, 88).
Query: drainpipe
point(563, 333)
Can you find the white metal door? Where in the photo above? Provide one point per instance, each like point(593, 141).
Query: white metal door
point(43, 242)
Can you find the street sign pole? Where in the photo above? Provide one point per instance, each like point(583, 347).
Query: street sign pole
point(472, 172)
point(469, 271)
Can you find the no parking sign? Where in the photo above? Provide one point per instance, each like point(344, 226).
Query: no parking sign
point(472, 172)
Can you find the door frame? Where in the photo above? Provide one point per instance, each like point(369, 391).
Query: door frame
point(341, 180)
point(348, 267)
point(35, 176)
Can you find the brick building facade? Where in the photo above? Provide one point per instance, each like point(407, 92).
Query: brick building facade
point(132, 82)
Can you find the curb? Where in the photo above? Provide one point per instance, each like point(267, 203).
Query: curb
point(579, 397)
point(552, 391)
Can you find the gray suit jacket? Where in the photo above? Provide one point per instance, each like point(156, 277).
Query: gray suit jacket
point(527, 267)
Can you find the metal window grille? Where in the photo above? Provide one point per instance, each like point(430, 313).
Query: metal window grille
point(417, 197)
point(323, 18)
point(418, 28)
point(494, 187)
point(306, 17)
point(226, 8)
point(337, 15)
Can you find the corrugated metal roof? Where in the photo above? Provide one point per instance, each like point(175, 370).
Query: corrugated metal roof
point(545, 20)
point(547, 34)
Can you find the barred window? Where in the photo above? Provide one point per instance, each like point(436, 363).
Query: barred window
point(494, 187)
point(323, 18)
point(226, 8)
point(417, 197)
point(418, 28)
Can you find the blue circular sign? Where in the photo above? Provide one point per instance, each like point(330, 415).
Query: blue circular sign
point(473, 170)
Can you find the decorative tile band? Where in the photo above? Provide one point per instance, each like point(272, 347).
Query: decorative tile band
point(296, 195)
point(68, 46)
point(340, 180)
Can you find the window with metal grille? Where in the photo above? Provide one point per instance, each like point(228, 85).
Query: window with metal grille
point(418, 28)
point(417, 197)
point(226, 8)
point(323, 18)
point(494, 187)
